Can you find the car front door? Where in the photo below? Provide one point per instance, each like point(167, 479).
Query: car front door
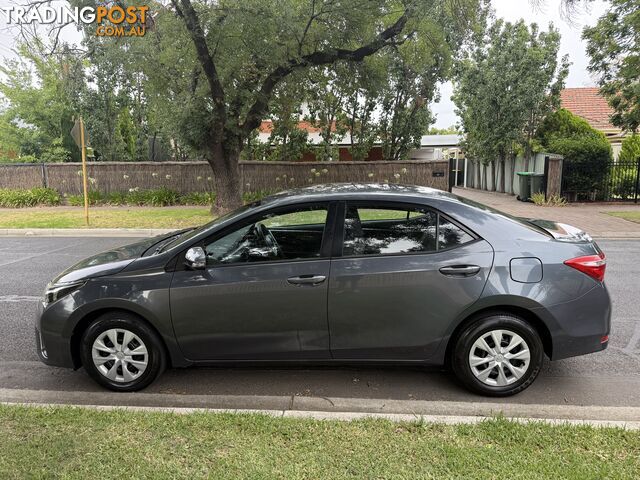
point(263, 292)
point(405, 272)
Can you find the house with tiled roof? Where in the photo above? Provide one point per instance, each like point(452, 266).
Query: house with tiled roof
point(586, 102)
point(432, 147)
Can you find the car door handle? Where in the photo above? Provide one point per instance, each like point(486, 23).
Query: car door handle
point(460, 270)
point(307, 280)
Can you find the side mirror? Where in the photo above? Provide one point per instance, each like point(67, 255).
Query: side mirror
point(195, 258)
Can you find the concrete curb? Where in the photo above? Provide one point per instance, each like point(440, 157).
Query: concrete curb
point(83, 232)
point(348, 416)
point(150, 232)
point(331, 408)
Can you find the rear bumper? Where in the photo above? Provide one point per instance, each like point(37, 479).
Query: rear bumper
point(581, 325)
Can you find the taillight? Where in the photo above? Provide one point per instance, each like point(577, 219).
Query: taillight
point(592, 265)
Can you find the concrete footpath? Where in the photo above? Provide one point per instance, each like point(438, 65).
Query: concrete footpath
point(590, 217)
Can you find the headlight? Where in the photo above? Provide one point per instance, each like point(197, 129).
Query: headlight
point(56, 292)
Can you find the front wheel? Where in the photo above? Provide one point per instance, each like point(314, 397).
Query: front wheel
point(498, 355)
point(121, 352)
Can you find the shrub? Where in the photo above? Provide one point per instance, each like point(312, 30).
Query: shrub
point(249, 197)
point(586, 151)
point(586, 161)
point(95, 198)
point(623, 182)
point(630, 150)
point(14, 198)
point(540, 199)
point(198, 198)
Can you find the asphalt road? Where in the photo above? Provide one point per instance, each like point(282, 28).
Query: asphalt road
point(609, 378)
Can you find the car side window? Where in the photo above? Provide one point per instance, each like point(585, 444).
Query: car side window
point(381, 230)
point(284, 235)
point(450, 235)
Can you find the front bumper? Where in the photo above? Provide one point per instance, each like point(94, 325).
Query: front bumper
point(52, 348)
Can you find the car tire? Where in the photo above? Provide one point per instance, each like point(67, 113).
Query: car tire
point(503, 371)
point(129, 354)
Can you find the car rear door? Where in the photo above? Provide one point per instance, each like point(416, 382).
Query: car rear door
point(250, 305)
point(399, 276)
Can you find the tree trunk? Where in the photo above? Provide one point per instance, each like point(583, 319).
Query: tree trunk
point(226, 175)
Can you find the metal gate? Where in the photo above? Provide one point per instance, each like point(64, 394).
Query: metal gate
point(620, 184)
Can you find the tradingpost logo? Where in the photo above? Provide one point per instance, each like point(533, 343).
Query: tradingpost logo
point(111, 21)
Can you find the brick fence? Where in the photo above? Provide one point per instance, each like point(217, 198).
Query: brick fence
point(185, 177)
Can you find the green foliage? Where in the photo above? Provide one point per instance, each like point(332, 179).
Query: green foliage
point(160, 197)
point(586, 151)
point(614, 51)
point(37, 108)
point(13, 198)
point(506, 86)
point(622, 182)
point(451, 130)
point(250, 197)
point(539, 198)
point(630, 150)
point(56, 152)
point(586, 162)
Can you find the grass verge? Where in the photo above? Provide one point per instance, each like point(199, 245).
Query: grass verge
point(83, 443)
point(632, 216)
point(106, 218)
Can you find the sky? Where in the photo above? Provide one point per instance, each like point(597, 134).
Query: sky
point(545, 12)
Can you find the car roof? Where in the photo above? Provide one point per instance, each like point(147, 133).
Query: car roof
point(341, 191)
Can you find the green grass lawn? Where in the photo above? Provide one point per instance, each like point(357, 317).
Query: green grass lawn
point(83, 443)
point(632, 216)
point(166, 217)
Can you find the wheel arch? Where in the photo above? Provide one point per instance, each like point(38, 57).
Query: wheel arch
point(527, 315)
point(89, 317)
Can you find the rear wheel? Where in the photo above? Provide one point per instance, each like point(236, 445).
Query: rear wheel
point(498, 355)
point(122, 353)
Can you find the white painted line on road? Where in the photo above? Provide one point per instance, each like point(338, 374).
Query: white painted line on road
point(18, 298)
point(345, 416)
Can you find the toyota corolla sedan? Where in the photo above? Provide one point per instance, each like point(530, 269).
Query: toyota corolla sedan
point(340, 274)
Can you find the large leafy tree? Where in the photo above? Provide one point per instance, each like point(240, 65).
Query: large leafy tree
point(614, 49)
point(504, 89)
point(219, 64)
point(37, 92)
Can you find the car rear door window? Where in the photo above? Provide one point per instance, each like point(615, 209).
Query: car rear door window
point(383, 230)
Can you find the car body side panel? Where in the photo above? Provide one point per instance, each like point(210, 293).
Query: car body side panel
point(143, 292)
point(250, 311)
point(400, 307)
point(575, 308)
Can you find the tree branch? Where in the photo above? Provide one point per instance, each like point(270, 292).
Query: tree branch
point(383, 39)
point(190, 17)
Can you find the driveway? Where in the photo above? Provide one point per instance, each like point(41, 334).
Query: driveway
point(590, 217)
point(609, 378)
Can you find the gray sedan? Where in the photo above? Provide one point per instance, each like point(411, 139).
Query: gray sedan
point(336, 274)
